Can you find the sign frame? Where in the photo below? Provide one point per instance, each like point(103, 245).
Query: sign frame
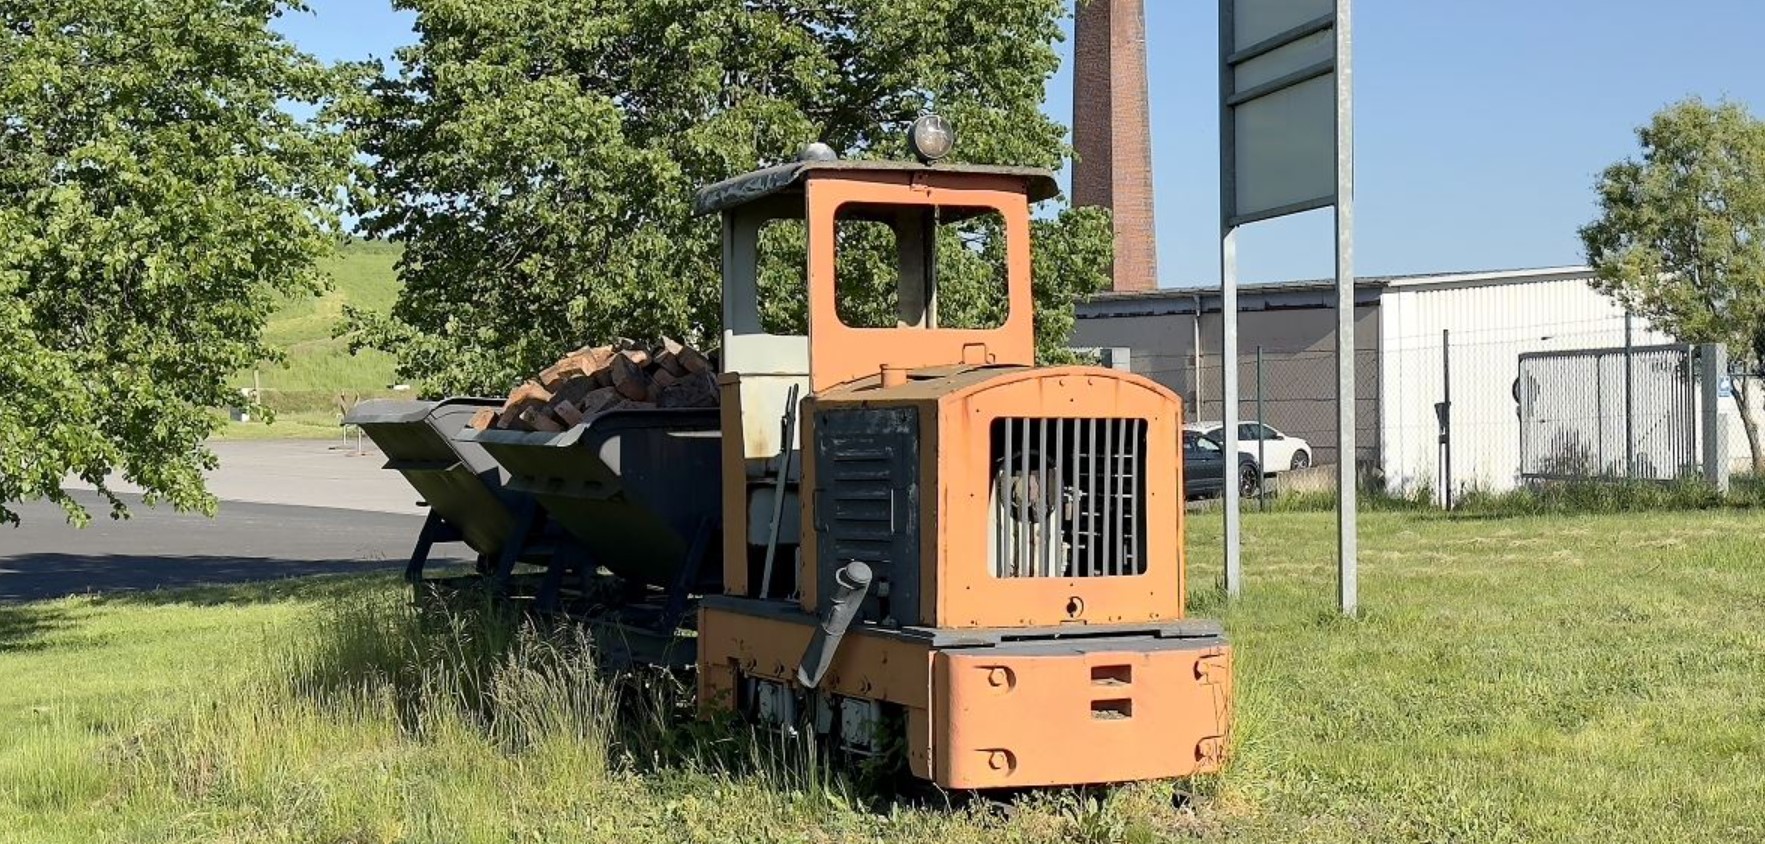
point(1291, 49)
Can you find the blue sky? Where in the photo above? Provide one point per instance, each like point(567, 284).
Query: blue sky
point(1480, 126)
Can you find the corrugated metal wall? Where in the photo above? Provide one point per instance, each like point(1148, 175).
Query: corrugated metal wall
point(1493, 317)
point(1161, 346)
point(1299, 367)
point(1491, 324)
point(1298, 375)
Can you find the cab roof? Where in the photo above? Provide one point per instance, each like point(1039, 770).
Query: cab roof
point(1039, 184)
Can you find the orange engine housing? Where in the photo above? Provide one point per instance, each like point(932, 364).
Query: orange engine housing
point(1021, 528)
point(1023, 652)
point(958, 419)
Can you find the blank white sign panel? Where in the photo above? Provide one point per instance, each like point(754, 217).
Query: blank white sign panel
point(1309, 51)
point(1285, 147)
point(1260, 20)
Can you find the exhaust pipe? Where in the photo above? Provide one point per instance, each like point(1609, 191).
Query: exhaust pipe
point(851, 585)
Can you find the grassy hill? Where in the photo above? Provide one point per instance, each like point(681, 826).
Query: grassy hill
point(303, 389)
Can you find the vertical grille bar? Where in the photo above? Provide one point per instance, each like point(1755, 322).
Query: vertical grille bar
point(1113, 520)
point(1011, 501)
point(1000, 523)
point(1042, 498)
point(1124, 507)
point(1021, 490)
point(1090, 498)
point(1058, 518)
point(1109, 502)
point(1002, 504)
point(1131, 547)
point(1116, 510)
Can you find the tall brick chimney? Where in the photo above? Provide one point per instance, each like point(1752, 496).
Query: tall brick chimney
point(1111, 133)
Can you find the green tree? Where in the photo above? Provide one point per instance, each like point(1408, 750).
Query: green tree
point(155, 201)
point(1680, 239)
point(538, 158)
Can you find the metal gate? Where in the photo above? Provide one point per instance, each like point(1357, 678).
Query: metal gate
point(1608, 413)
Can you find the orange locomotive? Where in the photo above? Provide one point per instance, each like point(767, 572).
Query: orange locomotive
point(944, 547)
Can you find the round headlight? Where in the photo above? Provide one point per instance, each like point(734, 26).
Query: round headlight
point(817, 151)
point(931, 137)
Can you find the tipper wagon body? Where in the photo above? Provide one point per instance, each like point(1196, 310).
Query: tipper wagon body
point(617, 483)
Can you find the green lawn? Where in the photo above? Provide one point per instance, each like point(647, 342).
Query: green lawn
point(304, 387)
point(1575, 678)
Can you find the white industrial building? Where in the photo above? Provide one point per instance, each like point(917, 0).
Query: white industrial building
point(1489, 318)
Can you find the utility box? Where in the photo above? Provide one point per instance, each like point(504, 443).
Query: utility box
point(1109, 357)
point(241, 412)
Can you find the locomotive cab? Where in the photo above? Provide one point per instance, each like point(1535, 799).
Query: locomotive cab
point(940, 545)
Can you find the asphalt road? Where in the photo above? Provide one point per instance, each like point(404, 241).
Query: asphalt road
point(313, 473)
point(158, 548)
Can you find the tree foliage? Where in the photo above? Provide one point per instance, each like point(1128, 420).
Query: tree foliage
point(1680, 239)
point(155, 200)
point(537, 158)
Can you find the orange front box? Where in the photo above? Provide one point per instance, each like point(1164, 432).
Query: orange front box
point(1077, 712)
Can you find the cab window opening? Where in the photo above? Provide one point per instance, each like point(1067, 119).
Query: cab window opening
point(910, 266)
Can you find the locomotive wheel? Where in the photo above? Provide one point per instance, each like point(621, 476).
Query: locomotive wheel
point(883, 770)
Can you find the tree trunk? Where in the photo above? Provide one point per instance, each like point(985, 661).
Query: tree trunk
point(1742, 395)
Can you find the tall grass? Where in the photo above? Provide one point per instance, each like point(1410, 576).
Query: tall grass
point(1546, 498)
point(381, 721)
point(1565, 497)
point(519, 684)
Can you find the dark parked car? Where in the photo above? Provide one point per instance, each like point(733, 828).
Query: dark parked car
point(1204, 469)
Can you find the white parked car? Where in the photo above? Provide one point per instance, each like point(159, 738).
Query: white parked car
point(1280, 451)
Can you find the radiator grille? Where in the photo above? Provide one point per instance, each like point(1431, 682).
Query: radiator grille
point(1068, 498)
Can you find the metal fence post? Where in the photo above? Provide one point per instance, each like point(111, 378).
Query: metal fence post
point(1446, 417)
point(1197, 380)
point(1262, 461)
point(1601, 412)
point(1713, 360)
point(1629, 404)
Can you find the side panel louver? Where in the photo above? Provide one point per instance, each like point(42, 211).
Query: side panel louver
point(867, 505)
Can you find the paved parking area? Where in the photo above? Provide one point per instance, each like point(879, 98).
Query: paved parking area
point(288, 508)
point(157, 548)
point(308, 473)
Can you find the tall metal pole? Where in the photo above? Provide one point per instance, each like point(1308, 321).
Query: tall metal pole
point(1229, 402)
point(1347, 565)
point(1262, 463)
point(1228, 307)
